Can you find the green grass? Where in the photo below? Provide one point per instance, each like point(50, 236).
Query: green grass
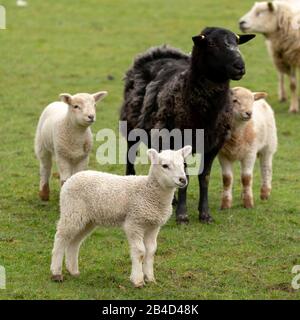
point(61, 46)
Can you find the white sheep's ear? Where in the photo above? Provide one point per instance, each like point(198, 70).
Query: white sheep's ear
point(153, 156)
point(66, 98)
point(186, 151)
point(271, 6)
point(259, 95)
point(100, 95)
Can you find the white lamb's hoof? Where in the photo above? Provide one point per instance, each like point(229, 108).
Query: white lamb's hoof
point(57, 278)
point(293, 111)
point(74, 274)
point(150, 279)
point(283, 100)
point(22, 3)
point(138, 283)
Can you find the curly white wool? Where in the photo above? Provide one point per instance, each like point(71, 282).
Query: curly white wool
point(63, 132)
point(141, 204)
point(279, 22)
point(253, 133)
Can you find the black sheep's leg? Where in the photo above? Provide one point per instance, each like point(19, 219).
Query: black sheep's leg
point(204, 215)
point(181, 210)
point(174, 201)
point(130, 171)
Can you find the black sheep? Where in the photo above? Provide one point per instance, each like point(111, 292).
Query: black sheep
point(166, 88)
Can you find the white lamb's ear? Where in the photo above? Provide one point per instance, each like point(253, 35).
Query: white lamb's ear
point(66, 98)
point(100, 95)
point(259, 95)
point(153, 156)
point(186, 151)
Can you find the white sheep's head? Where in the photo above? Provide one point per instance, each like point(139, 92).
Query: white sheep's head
point(168, 167)
point(82, 106)
point(242, 102)
point(262, 18)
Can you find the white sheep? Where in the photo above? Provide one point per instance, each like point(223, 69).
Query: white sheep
point(278, 21)
point(140, 204)
point(64, 132)
point(293, 3)
point(253, 133)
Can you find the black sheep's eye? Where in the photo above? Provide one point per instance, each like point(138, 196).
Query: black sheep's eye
point(165, 166)
point(227, 44)
point(76, 107)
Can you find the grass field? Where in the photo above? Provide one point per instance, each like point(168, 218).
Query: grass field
point(73, 46)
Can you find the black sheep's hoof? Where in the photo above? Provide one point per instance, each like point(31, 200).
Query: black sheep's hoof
point(206, 218)
point(182, 219)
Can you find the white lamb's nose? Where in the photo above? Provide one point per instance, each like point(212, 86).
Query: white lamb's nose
point(182, 180)
point(242, 24)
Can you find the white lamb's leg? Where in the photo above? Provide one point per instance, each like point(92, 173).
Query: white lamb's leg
point(137, 250)
point(247, 166)
point(66, 231)
point(294, 92)
point(227, 174)
point(81, 166)
point(65, 170)
point(150, 246)
point(45, 172)
point(281, 87)
point(60, 244)
point(266, 159)
point(72, 250)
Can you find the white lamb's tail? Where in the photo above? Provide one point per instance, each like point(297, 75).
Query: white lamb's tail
point(37, 138)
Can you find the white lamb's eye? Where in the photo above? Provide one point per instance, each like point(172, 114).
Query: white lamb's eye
point(76, 107)
point(165, 166)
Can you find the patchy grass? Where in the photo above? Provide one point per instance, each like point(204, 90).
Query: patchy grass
point(54, 46)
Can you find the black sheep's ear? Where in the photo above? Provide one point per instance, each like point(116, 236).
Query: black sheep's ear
point(243, 38)
point(198, 40)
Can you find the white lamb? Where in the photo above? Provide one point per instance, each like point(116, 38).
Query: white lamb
point(253, 133)
point(64, 132)
point(140, 204)
point(279, 22)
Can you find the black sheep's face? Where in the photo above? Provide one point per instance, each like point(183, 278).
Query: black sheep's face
point(220, 54)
